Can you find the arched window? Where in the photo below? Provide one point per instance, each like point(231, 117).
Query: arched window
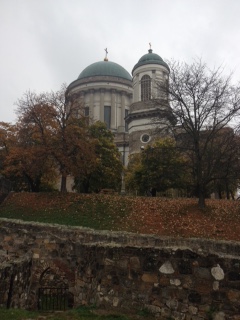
point(145, 88)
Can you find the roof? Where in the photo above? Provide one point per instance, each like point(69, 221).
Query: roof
point(150, 58)
point(105, 68)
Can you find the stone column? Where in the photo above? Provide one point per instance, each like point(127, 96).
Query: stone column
point(138, 95)
point(91, 106)
point(122, 108)
point(102, 92)
point(82, 104)
point(113, 109)
point(153, 85)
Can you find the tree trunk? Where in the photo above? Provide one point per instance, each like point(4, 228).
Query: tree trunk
point(201, 197)
point(64, 183)
point(219, 193)
point(227, 191)
point(201, 201)
point(34, 186)
point(86, 186)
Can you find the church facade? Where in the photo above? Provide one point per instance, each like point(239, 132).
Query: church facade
point(126, 103)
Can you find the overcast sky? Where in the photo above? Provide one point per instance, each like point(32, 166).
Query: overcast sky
point(45, 43)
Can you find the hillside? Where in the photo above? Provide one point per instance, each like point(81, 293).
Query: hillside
point(161, 216)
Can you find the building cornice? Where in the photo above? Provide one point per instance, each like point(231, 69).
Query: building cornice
point(91, 80)
point(151, 113)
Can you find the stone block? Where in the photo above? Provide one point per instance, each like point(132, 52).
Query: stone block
point(219, 316)
point(165, 312)
point(116, 302)
point(172, 304)
point(233, 295)
point(175, 282)
point(147, 277)
point(153, 309)
point(203, 286)
point(135, 263)
point(164, 281)
point(215, 285)
point(188, 254)
point(150, 263)
point(50, 246)
point(109, 262)
point(187, 282)
point(123, 263)
point(156, 289)
point(194, 297)
point(219, 296)
point(193, 310)
point(178, 315)
point(80, 283)
point(233, 276)
point(183, 307)
point(185, 267)
point(202, 273)
point(157, 303)
point(115, 280)
point(166, 268)
point(217, 272)
point(7, 238)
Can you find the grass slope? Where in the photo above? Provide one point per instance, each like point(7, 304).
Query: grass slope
point(81, 313)
point(93, 211)
point(161, 216)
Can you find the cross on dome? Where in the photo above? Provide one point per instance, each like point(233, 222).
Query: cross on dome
point(106, 58)
point(150, 45)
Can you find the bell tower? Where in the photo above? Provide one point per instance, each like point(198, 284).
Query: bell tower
point(145, 113)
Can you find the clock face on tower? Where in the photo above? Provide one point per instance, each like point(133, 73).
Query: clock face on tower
point(145, 138)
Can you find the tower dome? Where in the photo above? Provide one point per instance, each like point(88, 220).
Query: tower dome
point(105, 68)
point(150, 58)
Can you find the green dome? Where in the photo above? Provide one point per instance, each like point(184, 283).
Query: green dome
point(150, 58)
point(105, 68)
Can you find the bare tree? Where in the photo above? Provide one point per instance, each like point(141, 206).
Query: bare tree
point(204, 102)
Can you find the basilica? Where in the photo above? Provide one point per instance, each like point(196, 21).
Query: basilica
point(126, 103)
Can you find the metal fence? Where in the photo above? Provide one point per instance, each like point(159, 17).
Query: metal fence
point(53, 299)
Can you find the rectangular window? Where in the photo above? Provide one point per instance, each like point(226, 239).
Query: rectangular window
point(86, 111)
point(86, 114)
point(126, 124)
point(107, 116)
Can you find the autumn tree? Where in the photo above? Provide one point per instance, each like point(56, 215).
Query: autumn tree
point(159, 166)
point(57, 123)
point(29, 158)
point(108, 167)
point(71, 146)
point(204, 102)
point(23, 158)
point(134, 173)
point(7, 139)
point(29, 168)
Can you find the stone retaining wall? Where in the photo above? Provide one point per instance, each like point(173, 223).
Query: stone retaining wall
point(172, 278)
point(15, 275)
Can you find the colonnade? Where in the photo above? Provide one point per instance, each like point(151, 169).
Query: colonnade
point(115, 98)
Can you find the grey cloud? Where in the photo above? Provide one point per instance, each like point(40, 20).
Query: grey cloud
point(48, 42)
